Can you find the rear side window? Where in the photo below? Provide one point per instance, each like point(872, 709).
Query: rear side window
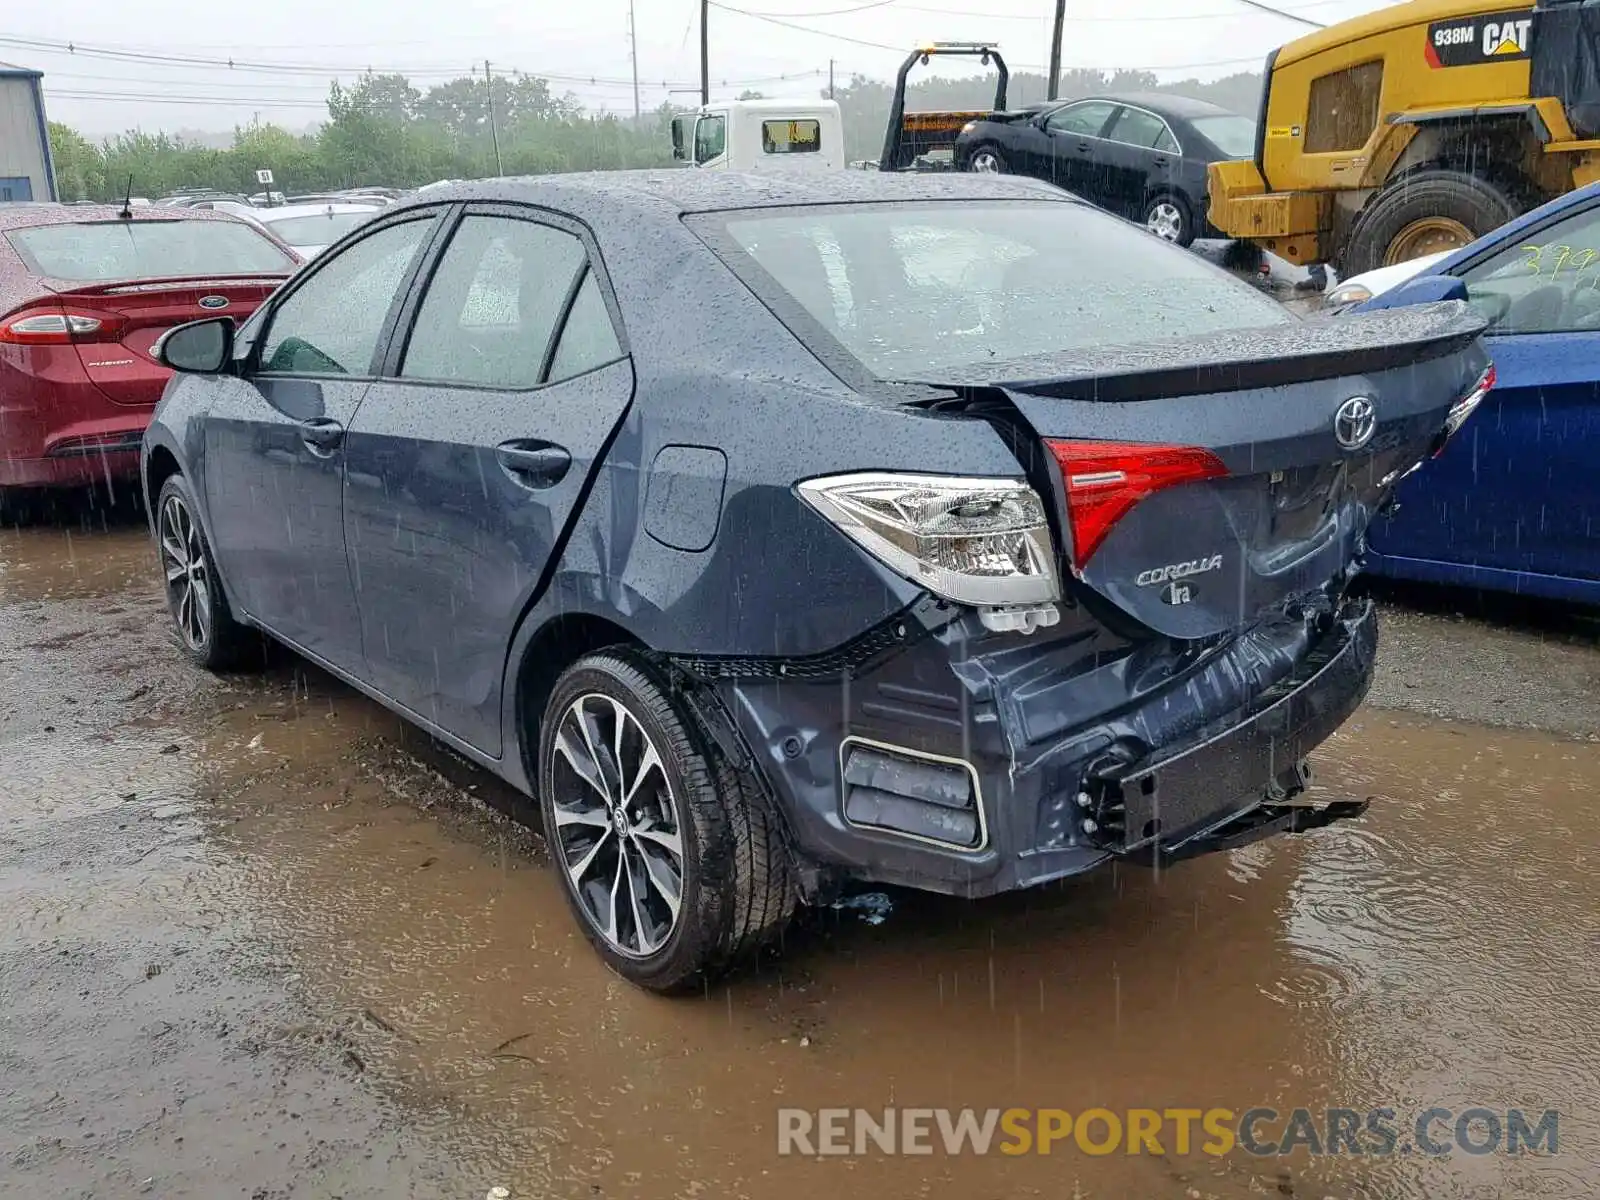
point(493, 304)
point(588, 339)
point(1344, 109)
point(101, 251)
point(791, 137)
point(911, 289)
point(1139, 128)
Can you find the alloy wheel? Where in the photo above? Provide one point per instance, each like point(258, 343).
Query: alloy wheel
point(617, 831)
point(183, 559)
point(1165, 221)
point(985, 163)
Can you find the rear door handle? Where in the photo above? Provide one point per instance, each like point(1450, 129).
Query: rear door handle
point(1158, 161)
point(534, 464)
point(1083, 147)
point(321, 435)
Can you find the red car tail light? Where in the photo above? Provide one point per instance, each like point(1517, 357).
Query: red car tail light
point(1104, 480)
point(54, 327)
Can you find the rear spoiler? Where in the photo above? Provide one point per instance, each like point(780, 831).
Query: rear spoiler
point(1235, 360)
point(129, 287)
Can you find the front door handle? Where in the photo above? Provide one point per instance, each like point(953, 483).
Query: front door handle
point(1083, 147)
point(534, 464)
point(321, 435)
point(1158, 161)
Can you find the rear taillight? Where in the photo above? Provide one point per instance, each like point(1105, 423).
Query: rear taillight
point(1103, 480)
point(47, 327)
point(1464, 408)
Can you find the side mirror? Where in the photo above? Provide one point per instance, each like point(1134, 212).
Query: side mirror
point(198, 348)
point(1420, 289)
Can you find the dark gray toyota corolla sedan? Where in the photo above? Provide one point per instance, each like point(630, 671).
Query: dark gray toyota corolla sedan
point(783, 534)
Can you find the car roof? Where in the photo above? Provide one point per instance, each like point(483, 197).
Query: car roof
point(1163, 104)
point(321, 208)
point(26, 216)
point(670, 193)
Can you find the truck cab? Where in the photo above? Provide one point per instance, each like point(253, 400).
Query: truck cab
point(761, 135)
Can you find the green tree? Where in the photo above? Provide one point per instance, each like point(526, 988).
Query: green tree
point(80, 170)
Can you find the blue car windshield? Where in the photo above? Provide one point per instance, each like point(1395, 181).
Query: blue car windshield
point(909, 288)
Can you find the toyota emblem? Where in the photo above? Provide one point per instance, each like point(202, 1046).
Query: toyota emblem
point(1355, 422)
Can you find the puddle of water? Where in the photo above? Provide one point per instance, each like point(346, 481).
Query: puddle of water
point(46, 562)
point(1438, 953)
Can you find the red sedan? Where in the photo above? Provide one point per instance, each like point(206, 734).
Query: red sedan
point(84, 294)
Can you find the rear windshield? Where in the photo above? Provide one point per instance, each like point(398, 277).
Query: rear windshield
point(910, 289)
point(1234, 136)
point(106, 250)
point(323, 229)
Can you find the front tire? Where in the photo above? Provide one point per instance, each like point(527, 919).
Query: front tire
point(671, 860)
point(1422, 213)
point(205, 625)
point(987, 160)
point(1168, 216)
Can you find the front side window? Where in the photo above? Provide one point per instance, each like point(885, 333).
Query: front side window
point(710, 138)
point(1145, 130)
point(1343, 110)
point(911, 290)
point(791, 137)
point(331, 323)
point(1086, 120)
point(493, 304)
point(1548, 282)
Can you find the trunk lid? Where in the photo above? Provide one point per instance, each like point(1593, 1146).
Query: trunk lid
point(1205, 481)
point(133, 314)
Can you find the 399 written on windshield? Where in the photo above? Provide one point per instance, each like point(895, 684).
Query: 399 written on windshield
point(1261, 1131)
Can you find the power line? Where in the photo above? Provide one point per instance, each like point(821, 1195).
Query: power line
point(1278, 12)
point(331, 70)
point(839, 37)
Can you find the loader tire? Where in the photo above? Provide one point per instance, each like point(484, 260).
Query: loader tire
point(1423, 212)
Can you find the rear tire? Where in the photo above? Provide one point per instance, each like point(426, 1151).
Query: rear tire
point(1169, 217)
point(689, 824)
point(205, 625)
point(1424, 212)
point(987, 160)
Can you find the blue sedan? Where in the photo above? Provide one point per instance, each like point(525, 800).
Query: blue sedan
point(1514, 503)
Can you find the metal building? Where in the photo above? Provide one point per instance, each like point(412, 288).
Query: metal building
point(26, 172)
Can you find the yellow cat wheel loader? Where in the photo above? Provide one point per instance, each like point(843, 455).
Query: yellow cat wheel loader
point(1415, 129)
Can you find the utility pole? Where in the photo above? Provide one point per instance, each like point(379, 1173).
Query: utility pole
point(830, 79)
point(705, 54)
point(1053, 84)
point(633, 49)
point(494, 130)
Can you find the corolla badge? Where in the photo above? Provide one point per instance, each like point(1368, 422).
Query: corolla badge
point(1181, 570)
point(1355, 422)
point(213, 302)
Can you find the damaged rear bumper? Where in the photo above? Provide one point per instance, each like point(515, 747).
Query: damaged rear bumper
point(969, 764)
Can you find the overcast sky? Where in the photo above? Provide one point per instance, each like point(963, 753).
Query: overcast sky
point(582, 45)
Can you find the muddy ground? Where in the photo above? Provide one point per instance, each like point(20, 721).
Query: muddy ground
point(258, 941)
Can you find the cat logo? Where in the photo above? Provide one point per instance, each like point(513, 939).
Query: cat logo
point(1508, 39)
point(1472, 41)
